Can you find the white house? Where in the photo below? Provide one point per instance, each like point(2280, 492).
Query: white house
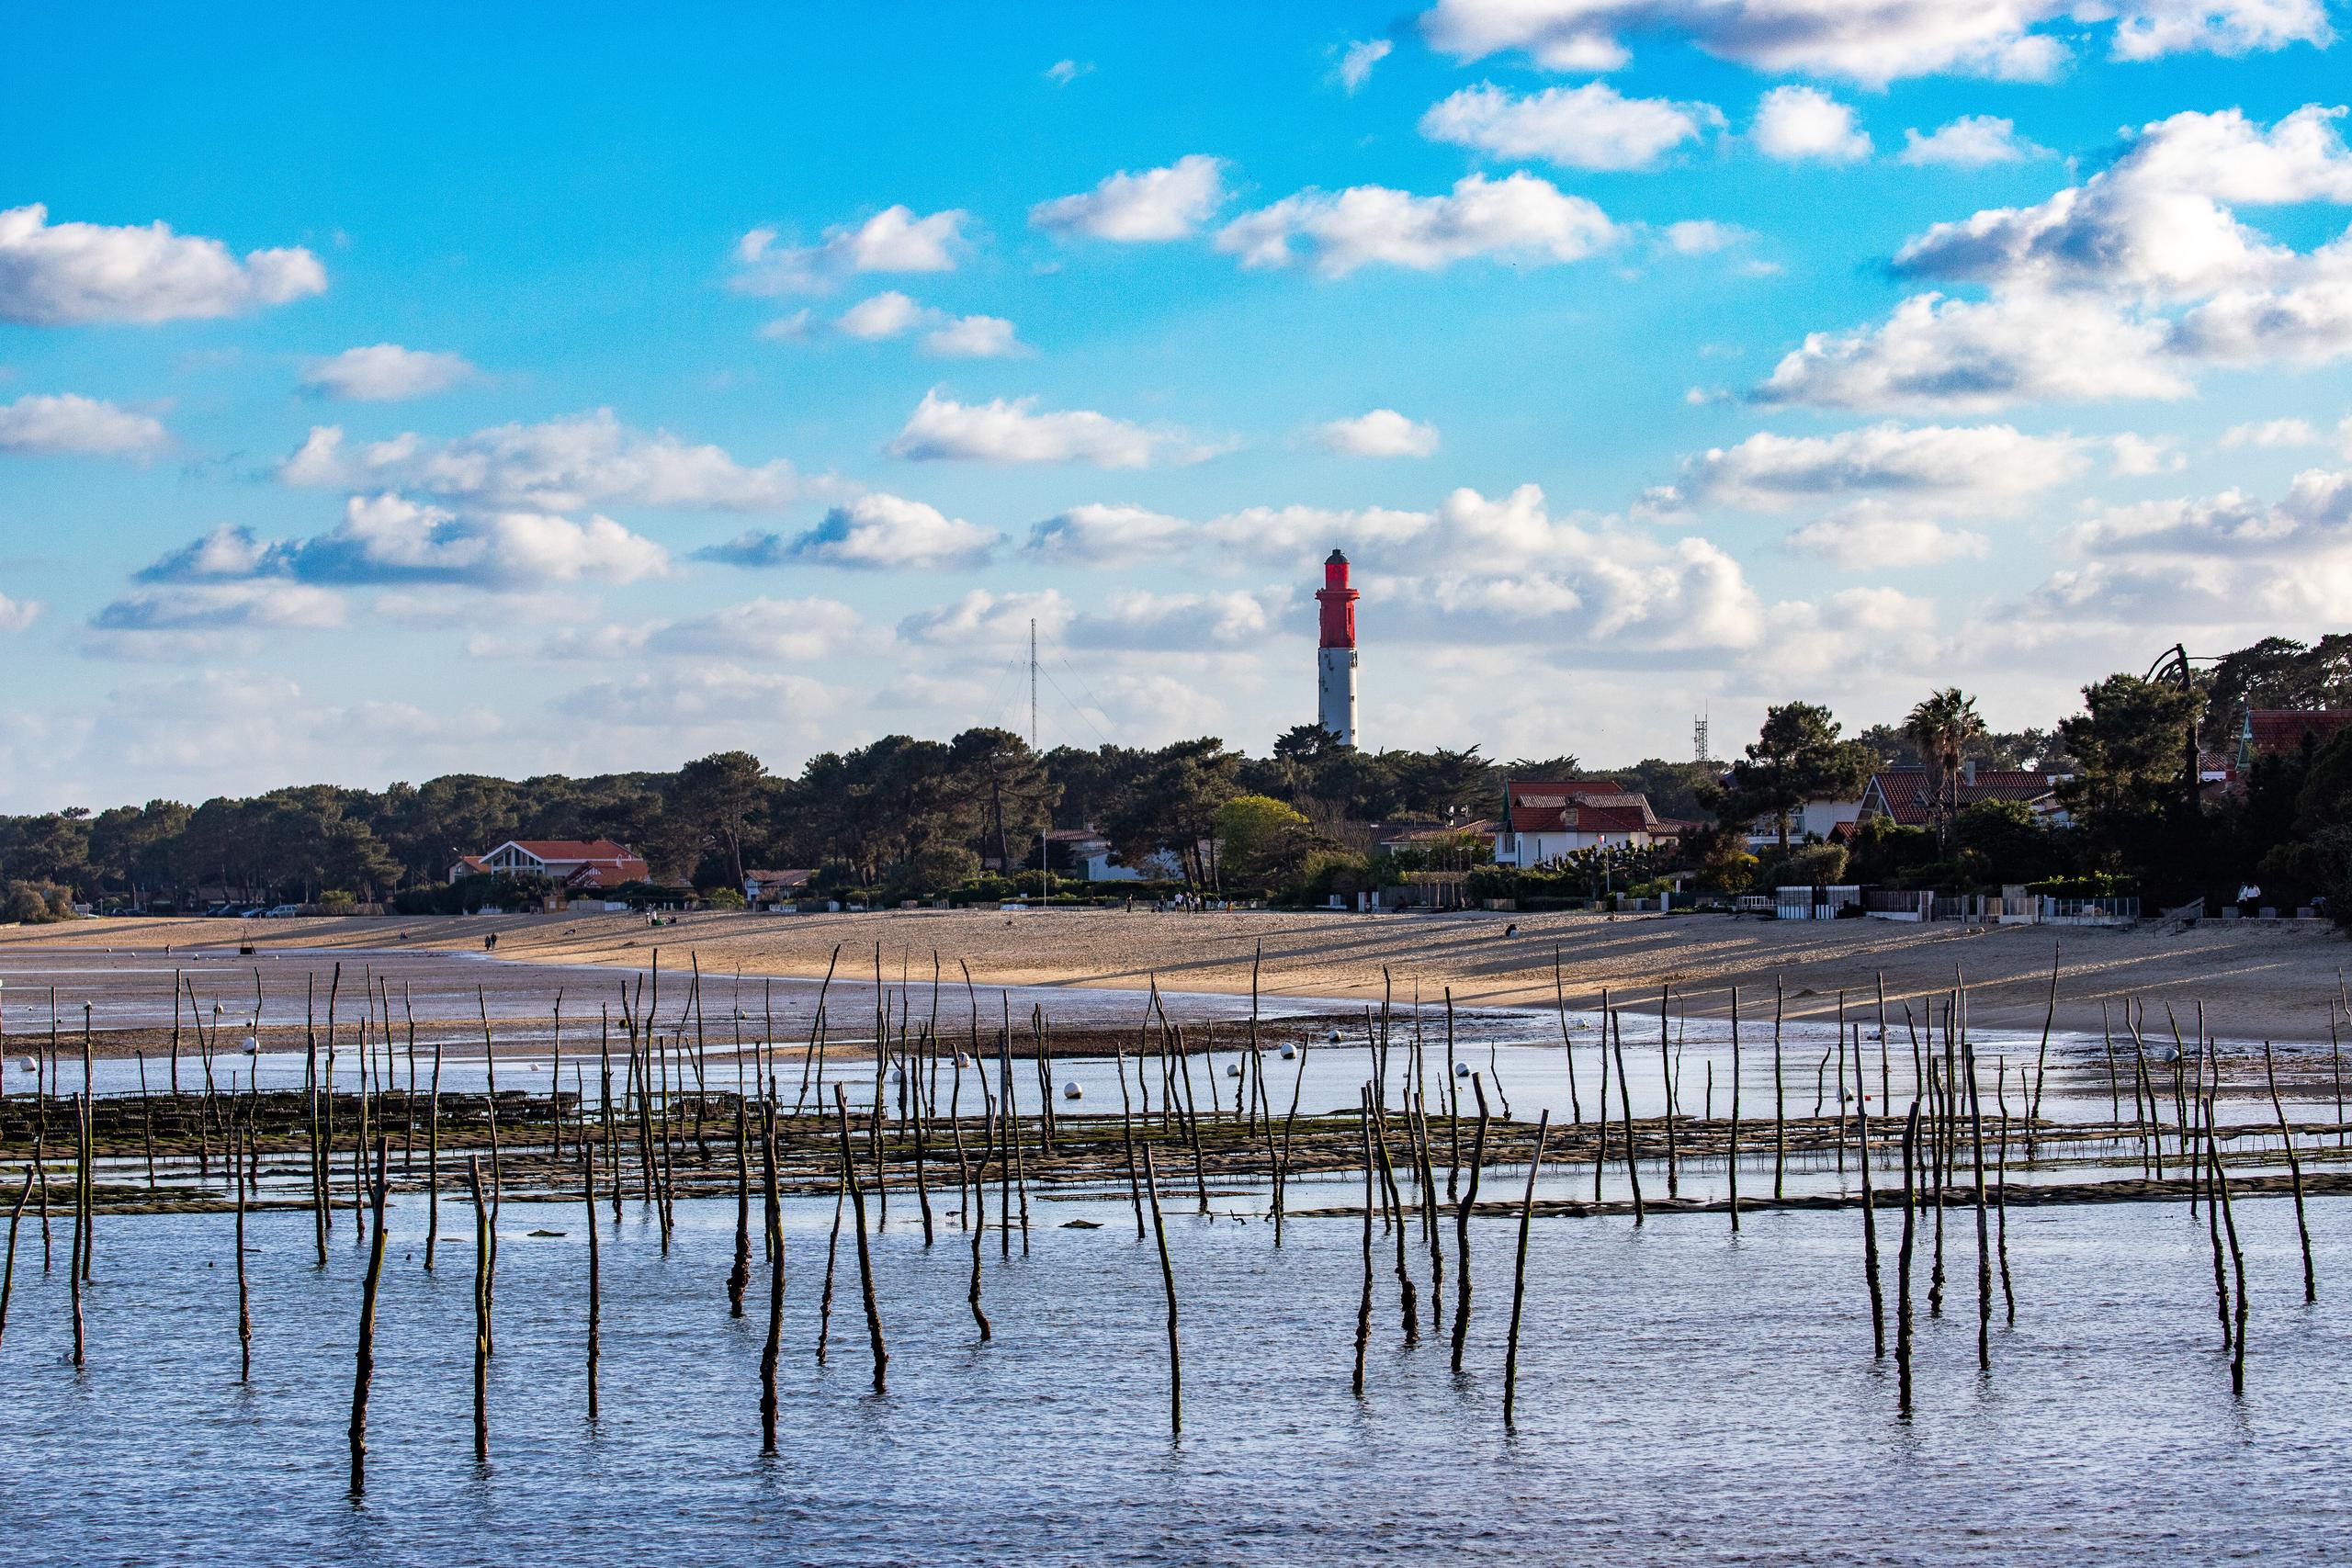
point(570, 862)
point(1814, 819)
point(1544, 821)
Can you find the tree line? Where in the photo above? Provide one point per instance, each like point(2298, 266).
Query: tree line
point(912, 816)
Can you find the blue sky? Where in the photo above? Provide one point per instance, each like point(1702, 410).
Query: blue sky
point(569, 390)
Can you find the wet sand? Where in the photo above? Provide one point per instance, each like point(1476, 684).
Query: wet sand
point(2256, 981)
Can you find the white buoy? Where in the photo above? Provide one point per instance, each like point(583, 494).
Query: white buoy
point(1460, 1069)
point(27, 1065)
point(1333, 1038)
point(253, 1046)
point(1289, 1050)
point(1233, 1069)
point(962, 1060)
point(1071, 1090)
point(898, 1075)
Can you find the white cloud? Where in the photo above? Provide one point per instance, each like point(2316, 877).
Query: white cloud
point(563, 464)
point(1382, 433)
point(1591, 127)
point(1870, 41)
point(975, 337)
point(67, 424)
point(699, 698)
point(1096, 534)
point(261, 603)
point(886, 532)
point(2307, 320)
point(893, 239)
point(1958, 356)
point(1014, 431)
point(1157, 204)
point(17, 614)
point(1062, 73)
point(985, 619)
point(1356, 59)
point(2316, 514)
point(1870, 537)
point(885, 315)
point(2156, 221)
point(388, 538)
point(782, 629)
point(67, 274)
point(2271, 432)
point(1299, 537)
point(1140, 620)
point(1991, 466)
point(1972, 142)
point(386, 372)
point(1797, 124)
point(1520, 219)
point(1702, 236)
point(2136, 456)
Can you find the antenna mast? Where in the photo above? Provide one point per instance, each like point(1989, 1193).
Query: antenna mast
point(1699, 739)
point(1032, 682)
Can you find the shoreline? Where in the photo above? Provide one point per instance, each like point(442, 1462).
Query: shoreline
point(2283, 983)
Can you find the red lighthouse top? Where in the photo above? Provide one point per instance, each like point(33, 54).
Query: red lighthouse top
point(1339, 602)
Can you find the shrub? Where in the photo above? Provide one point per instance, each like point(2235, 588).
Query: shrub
point(35, 903)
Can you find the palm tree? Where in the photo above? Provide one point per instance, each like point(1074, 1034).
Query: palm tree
point(1942, 726)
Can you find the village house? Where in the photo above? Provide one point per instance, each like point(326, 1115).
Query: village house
point(1911, 796)
point(1827, 819)
point(767, 889)
point(1545, 819)
point(574, 864)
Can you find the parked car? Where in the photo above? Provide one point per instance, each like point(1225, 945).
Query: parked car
point(281, 911)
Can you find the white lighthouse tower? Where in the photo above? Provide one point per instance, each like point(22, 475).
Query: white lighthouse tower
point(1335, 660)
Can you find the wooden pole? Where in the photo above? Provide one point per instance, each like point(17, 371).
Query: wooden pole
point(2042, 1057)
point(81, 1226)
point(482, 1311)
point(1567, 1048)
point(738, 1278)
point(1625, 1103)
point(433, 1163)
point(1370, 1201)
point(864, 1257)
point(1984, 1226)
point(1668, 1075)
point(1731, 1157)
point(1168, 1283)
point(1779, 1099)
point(8, 1270)
point(775, 1221)
point(980, 1192)
point(1870, 1219)
point(595, 1273)
point(1600, 1149)
point(1462, 1227)
point(2294, 1173)
point(2238, 1254)
point(1903, 1264)
point(1409, 1302)
point(2001, 1189)
point(364, 1372)
point(1519, 1274)
point(244, 1295)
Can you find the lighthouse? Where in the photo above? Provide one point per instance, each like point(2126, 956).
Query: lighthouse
point(1335, 660)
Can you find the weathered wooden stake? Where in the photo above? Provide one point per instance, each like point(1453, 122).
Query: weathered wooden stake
point(1903, 1264)
point(1462, 1227)
point(2294, 1173)
point(482, 1310)
point(1983, 1220)
point(865, 1258)
point(1731, 1157)
point(1779, 1099)
point(596, 1272)
point(8, 1270)
point(245, 1297)
point(738, 1278)
point(1370, 1201)
point(364, 1372)
point(1625, 1103)
point(1168, 1283)
point(774, 1347)
point(1518, 1273)
point(1870, 1218)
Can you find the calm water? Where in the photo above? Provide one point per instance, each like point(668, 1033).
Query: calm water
point(1684, 1397)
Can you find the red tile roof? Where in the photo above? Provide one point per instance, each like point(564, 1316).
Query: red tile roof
point(1909, 794)
point(2278, 730)
point(575, 849)
point(1577, 805)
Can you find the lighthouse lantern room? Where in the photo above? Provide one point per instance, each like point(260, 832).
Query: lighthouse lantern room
point(1335, 660)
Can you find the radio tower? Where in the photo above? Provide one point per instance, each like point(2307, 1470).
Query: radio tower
point(1699, 746)
point(1032, 682)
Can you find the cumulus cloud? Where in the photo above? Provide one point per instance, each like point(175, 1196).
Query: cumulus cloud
point(1801, 124)
point(2316, 514)
point(1096, 534)
point(17, 614)
point(1356, 59)
point(1869, 537)
point(2144, 273)
point(893, 239)
point(1520, 218)
point(68, 274)
point(2271, 432)
point(1382, 433)
point(1972, 142)
point(1702, 236)
point(255, 604)
point(2136, 456)
point(563, 464)
point(1015, 431)
point(1591, 127)
point(985, 619)
point(791, 630)
point(1963, 357)
point(1301, 535)
point(1062, 73)
point(388, 538)
point(887, 533)
point(1157, 204)
point(1131, 621)
point(892, 314)
point(1870, 41)
point(385, 372)
point(70, 424)
point(1991, 466)
point(690, 696)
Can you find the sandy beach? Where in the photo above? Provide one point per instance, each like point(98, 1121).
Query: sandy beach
point(2281, 982)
